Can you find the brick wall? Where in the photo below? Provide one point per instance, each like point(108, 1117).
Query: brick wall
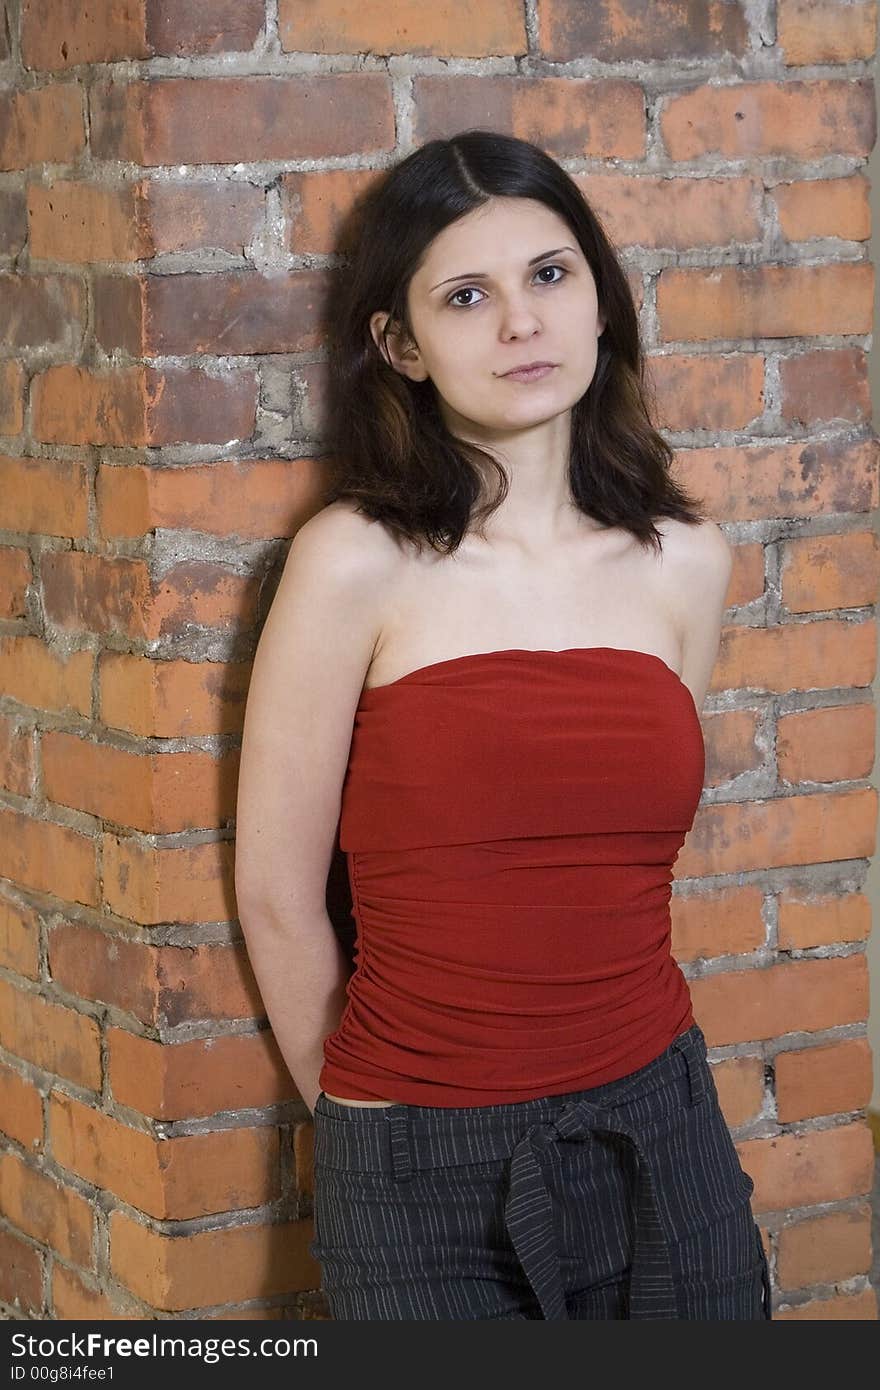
point(172, 174)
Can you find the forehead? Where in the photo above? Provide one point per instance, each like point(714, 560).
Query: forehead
point(504, 231)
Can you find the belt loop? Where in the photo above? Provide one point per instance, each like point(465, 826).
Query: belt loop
point(692, 1044)
point(401, 1149)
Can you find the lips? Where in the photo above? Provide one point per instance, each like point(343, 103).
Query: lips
point(528, 367)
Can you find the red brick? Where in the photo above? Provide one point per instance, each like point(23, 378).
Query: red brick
point(821, 655)
point(17, 765)
point(208, 1267)
point(192, 1080)
point(827, 384)
point(191, 216)
point(823, 208)
point(604, 118)
point(15, 576)
point(75, 1298)
point(174, 120)
point(45, 311)
point(824, 1249)
point(13, 218)
point(12, 387)
point(158, 793)
point(150, 885)
point(805, 478)
point(83, 222)
point(171, 1179)
point(43, 677)
point(708, 392)
point(822, 920)
point(859, 1307)
point(801, 1170)
point(832, 32)
point(827, 1080)
point(648, 210)
point(46, 1210)
point(48, 857)
point(456, 30)
point(613, 33)
point(142, 406)
point(830, 571)
point(319, 206)
point(236, 312)
point(58, 1040)
point(747, 120)
point(57, 34)
point(41, 125)
point(21, 1109)
point(48, 496)
point(765, 1002)
point(171, 699)
point(705, 925)
point(218, 26)
point(21, 1274)
point(767, 301)
point(832, 744)
point(732, 745)
point(253, 499)
point(19, 939)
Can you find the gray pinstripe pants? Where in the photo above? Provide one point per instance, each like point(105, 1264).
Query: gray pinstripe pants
point(626, 1200)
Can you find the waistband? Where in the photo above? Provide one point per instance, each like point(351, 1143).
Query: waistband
point(401, 1139)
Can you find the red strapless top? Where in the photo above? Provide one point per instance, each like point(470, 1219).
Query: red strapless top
point(511, 820)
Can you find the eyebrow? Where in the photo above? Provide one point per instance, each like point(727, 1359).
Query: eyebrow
point(484, 275)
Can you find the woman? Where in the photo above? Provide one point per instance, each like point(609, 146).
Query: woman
point(494, 694)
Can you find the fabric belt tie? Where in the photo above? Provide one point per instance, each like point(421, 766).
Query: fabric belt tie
point(528, 1213)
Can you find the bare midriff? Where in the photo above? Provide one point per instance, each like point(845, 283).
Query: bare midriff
point(342, 1100)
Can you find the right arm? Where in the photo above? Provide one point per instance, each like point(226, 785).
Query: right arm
point(308, 673)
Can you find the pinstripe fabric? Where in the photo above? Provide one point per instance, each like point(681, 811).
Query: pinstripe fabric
point(627, 1200)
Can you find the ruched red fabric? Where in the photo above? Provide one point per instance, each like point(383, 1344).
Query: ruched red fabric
point(511, 820)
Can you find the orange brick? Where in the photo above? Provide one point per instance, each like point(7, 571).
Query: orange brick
point(155, 792)
point(62, 33)
point(15, 576)
point(746, 484)
point(456, 30)
point(799, 1170)
point(827, 1080)
point(767, 301)
point(833, 571)
point(171, 699)
point(82, 222)
point(745, 120)
point(192, 216)
point(319, 206)
point(740, 1085)
point(46, 1210)
point(802, 996)
point(58, 1040)
point(50, 858)
point(41, 125)
point(731, 742)
point(858, 1307)
point(75, 1298)
point(828, 33)
point(822, 920)
point(823, 208)
point(828, 384)
point(191, 1080)
point(170, 1179)
point(49, 496)
point(824, 1249)
point(835, 743)
point(603, 118)
point(21, 1110)
point(12, 388)
point(251, 500)
point(209, 1267)
point(797, 656)
point(142, 406)
point(717, 924)
point(150, 885)
point(17, 766)
point(43, 677)
point(21, 1274)
point(723, 391)
point(19, 939)
point(730, 837)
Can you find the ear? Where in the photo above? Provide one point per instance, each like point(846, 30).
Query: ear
point(397, 347)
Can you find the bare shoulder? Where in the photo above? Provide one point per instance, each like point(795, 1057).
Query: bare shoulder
point(696, 550)
point(353, 545)
point(698, 561)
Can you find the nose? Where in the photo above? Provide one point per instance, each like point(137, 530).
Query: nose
point(518, 319)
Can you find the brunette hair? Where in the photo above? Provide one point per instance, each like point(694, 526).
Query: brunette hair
point(391, 451)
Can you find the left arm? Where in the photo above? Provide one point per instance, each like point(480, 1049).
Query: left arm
point(700, 578)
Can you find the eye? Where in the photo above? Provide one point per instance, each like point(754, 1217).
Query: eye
point(471, 289)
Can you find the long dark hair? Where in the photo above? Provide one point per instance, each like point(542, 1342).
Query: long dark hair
point(391, 451)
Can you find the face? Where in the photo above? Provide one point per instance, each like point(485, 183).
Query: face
point(504, 287)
